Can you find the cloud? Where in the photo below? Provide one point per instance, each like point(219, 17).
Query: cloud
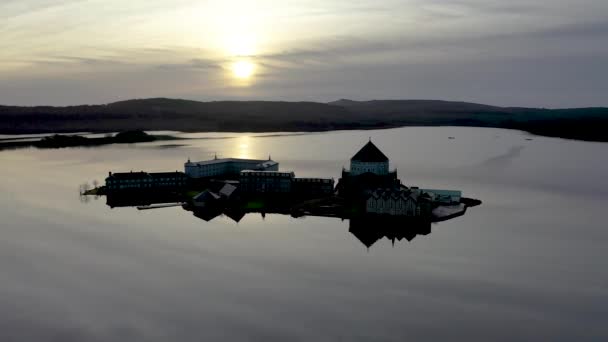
point(195, 63)
point(71, 61)
point(330, 50)
point(10, 9)
point(314, 50)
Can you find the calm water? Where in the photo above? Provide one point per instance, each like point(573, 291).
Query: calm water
point(529, 264)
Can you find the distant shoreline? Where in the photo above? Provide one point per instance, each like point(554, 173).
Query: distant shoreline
point(585, 124)
point(66, 140)
point(18, 143)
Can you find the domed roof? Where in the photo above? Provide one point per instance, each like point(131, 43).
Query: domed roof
point(370, 154)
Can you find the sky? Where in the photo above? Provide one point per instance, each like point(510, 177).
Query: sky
point(542, 53)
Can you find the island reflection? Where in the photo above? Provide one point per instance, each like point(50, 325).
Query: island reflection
point(369, 194)
point(368, 230)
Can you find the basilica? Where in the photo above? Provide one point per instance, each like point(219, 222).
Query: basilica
point(372, 187)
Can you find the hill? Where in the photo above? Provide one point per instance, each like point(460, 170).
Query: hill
point(268, 116)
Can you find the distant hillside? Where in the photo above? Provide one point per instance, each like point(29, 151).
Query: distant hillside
point(258, 116)
point(576, 123)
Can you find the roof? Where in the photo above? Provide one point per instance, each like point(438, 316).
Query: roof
point(394, 194)
point(370, 153)
point(167, 174)
point(227, 160)
point(129, 175)
point(227, 190)
point(206, 195)
point(268, 163)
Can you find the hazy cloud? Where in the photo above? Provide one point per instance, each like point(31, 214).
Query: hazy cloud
point(196, 63)
point(546, 53)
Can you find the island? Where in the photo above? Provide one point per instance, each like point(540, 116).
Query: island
point(63, 140)
point(368, 194)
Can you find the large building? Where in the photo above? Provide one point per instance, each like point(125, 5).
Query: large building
point(372, 186)
point(145, 181)
point(227, 166)
point(265, 181)
point(312, 186)
point(283, 182)
point(369, 170)
point(369, 159)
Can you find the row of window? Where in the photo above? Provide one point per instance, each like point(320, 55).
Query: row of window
point(143, 180)
point(266, 175)
point(144, 185)
point(313, 180)
point(390, 204)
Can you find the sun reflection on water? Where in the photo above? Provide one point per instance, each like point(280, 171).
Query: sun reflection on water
point(243, 147)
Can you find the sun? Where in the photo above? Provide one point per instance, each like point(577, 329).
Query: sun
point(243, 69)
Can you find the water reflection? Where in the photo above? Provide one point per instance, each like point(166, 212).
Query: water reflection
point(243, 147)
point(368, 230)
point(91, 273)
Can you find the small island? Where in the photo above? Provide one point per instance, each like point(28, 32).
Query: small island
point(62, 140)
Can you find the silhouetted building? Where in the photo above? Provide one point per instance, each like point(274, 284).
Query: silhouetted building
point(398, 202)
point(369, 159)
point(169, 179)
point(283, 182)
point(369, 171)
point(209, 198)
point(312, 186)
point(146, 181)
point(265, 181)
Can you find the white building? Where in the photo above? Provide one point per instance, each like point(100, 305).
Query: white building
point(369, 160)
point(218, 167)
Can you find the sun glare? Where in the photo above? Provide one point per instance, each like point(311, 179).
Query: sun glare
point(243, 69)
point(241, 45)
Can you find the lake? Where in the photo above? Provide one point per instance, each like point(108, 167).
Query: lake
point(528, 264)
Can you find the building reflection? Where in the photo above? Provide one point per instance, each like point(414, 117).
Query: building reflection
point(368, 230)
point(117, 200)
